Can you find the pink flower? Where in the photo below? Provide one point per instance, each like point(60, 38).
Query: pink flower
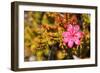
point(72, 35)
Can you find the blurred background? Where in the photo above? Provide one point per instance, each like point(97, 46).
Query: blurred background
point(43, 39)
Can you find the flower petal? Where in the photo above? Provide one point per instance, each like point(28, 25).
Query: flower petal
point(69, 27)
point(70, 43)
point(79, 34)
point(65, 40)
point(76, 28)
point(65, 34)
point(77, 41)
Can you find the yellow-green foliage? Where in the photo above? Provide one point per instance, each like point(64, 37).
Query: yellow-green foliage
point(43, 35)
